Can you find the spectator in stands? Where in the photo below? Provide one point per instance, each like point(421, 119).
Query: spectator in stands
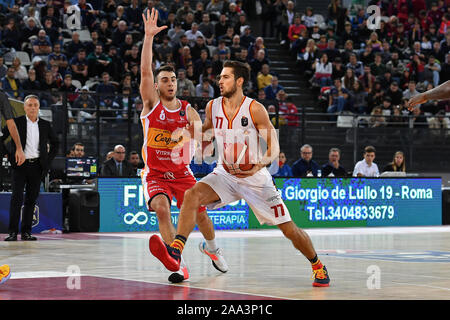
point(193, 34)
point(280, 168)
point(204, 86)
point(28, 30)
point(85, 105)
point(104, 32)
point(235, 47)
point(59, 58)
point(72, 47)
point(42, 46)
point(323, 71)
point(272, 89)
point(347, 35)
point(199, 46)
point(377, 68)
point(106, 88)
point(331, 51)
point(355, 65)
point(359, 98)
point(295, 29)
point(11, 86)
point(367, 56)
point(183, 11)
point(366, 167)
point(201, 63)
point(9, 34)
point(333, 168)
point(255, 48)
point(20, 71)
point(135, 162)
point(306, 60)
point(264, 77)
point(339, 99)
point(287, 110)
point(386, 107)
point(376, 118)
point(397, 164)
point(395, 66)
point(222, 47)
point(385, 80)
point(78, 150)
point(183, 83)
point(394, 93)
point(305, 166)
point(98, 62)
point(133, 14)
point(432, 70)
point(51, 31)
point(31, 84)
point(228, 36)
point(397, 119)
point(117, 166)
point(418, 120)
point(80, 66)
point(118, 35)
point(367, 79)
point(68, 87)
point(240, 26)
point(338, 69)
point(207, 28)
point(411, 91)
point(115, 69)
point(349, 79)
point(247, 38)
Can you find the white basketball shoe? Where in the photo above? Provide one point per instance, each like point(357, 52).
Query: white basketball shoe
point(217, 258)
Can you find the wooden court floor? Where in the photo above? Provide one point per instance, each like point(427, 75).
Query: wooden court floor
point(364, 263)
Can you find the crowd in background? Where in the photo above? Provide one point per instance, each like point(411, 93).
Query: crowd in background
point(374, 72)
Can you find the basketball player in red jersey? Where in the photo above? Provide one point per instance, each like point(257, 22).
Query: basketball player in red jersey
point(167, 173)
point(241, 115)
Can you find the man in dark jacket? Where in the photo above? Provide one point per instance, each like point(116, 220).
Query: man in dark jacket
point(35, 134)
point(305, 166)
point(117, 166)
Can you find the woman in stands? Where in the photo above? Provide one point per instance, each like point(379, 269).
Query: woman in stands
point(323, 70)
point(397, 164)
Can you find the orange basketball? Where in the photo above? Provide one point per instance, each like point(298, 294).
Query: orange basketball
point(237, 155)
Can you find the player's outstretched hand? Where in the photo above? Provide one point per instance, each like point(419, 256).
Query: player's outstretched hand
point(151, 23)
point(414, 101)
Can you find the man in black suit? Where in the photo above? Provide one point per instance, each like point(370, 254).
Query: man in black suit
point(35, 134)
point(117, 166)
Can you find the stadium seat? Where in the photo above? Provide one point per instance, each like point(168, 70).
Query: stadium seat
point(76, 83)
point(24, 58)
point(85, 35)
point(9, 57)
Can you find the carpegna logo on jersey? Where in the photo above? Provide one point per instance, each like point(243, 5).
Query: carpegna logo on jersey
point(182, 113)
point(244, 121)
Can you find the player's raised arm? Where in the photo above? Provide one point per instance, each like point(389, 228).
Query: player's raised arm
point(147, 87)
point(269, 134)
point(441, 92)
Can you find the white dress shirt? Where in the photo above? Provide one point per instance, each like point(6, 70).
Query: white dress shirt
point(366, 170)
point(32, 146)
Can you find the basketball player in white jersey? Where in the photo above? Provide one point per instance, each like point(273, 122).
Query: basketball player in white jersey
point(234, 111)
point(162, 179)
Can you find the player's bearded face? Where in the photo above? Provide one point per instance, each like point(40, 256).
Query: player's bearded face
point(227, 83)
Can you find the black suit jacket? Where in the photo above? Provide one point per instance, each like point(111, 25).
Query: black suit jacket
point(109, 169)
point(46, 136)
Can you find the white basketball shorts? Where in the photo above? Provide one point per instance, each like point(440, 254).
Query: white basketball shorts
point(259, 191)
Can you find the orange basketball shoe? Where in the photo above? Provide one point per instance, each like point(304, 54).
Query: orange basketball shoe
point(320, 276)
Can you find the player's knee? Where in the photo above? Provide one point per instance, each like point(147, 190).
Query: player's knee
point(162, 212)
point(192, 196)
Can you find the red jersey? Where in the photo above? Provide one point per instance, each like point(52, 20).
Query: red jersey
point(164, 154)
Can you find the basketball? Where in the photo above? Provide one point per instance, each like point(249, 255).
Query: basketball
point(237, 154)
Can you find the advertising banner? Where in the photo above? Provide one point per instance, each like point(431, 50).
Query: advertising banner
point(312, 203)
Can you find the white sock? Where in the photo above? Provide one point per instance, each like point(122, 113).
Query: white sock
point(211, 244)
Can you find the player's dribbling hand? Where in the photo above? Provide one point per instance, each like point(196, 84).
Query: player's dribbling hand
point(248, 173)
point(414, 101)
point(151, 23)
